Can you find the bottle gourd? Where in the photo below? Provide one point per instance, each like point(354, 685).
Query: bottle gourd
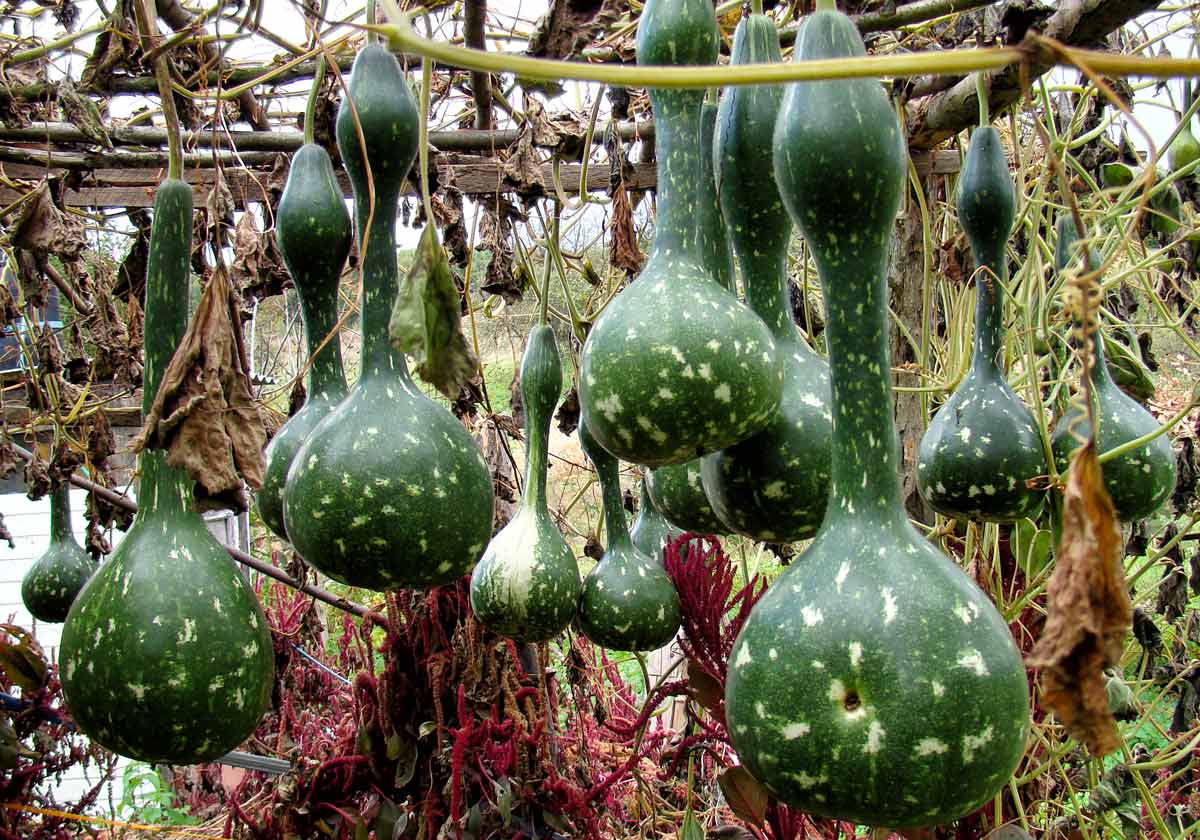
point(874, 682)
point(166, 656)
point(628, 602)
point(527, 584)
point(983, 445)
point(1139, 481)
point(773, 486)
point(651, 531)
point(312, 229)
point(676, 367)
point(52, 582)
point(389, 490)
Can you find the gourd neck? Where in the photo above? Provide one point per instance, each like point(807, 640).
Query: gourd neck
point(1100, 372)
point(60, 515)
point(318, 309)
point(865, 458)
point(535, 459)
point(764, 274)
point(990, 277)
point(616, 528)
point(379, 284)
point(677, 127)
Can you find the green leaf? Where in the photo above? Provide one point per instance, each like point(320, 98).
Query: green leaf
point(1116, 174)
point(504, 798)
point(426, 322)
point(690, 828)
point(406, 759)
point(745, 795)
point(1031, 546)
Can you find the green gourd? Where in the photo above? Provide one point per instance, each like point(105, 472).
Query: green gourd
point(389, 489)
point(313, 231)
point(1139, 482)
point(166, 656)
point(773, 486)
point(1185, 148)
point(983, 445)
point(676, 366)
point(628, 602)
point(874, 682)
point(52, 582)
point(527, 584)
point(676, 489)
point(651, 531)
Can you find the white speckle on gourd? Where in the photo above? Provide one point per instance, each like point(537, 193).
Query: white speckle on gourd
point(889, 605)
point(796, 730)
point(930, 746)
point(973, 660)
point(723, 392)
point(856, 652)
point(743, 658)
point(812, 615)
point(875, 733)
point(971, 743)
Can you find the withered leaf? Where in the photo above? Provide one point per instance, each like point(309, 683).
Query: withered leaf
point(567, 415)
point(98, 438)
point(746, 796)
point(204, 414)
point(42, 228)
point(1088, 609)
point(64, 458)
point(131, 274)
point(257, 264)
point(426, 322)
point(570, 25)
point(523, 168)
point(49, 352)
point(8, 456)
point(37, 477)
point(500, 464)
point(623, 251)
point(9, 313)
point(5, 535)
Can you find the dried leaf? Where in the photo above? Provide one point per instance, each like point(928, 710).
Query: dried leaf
point(5, 535)
point(131, 274)
point(204, 414)
point(1088, 609)
point(523, 168)
point(745, 796)
point(426, 322)
point(705, 689)
point(500, 464)
point(9, 461)
point(257, 264)
point(9, 313)
point(42, 229)
point(22, 659)
point(49, 352)
point(37, 477)
point(570, 25)
point(623, 251)
point(567, 415)
point(63, 460)
point(78, 108)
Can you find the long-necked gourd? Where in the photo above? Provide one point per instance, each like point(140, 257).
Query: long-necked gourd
point(676, 489)
point(874, 682)
point(389, 490)
point(774, 485)
point(52, 582)
point(313, 231)
point(1138, 481)
point(166, 655)
point(676, 367)
point(651, 531)
point(527, 584)
point(983, 446)
point(628, 602)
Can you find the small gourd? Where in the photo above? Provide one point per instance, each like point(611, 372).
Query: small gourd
point(526, 586)
point(166, 656)
point(676, 366)
point(874, 682)
point(312, 229)
point(774, 485)
point(52, 582)
point(651, 531)
point(983, 445)
point(628, 602)
point(389, 489)
point(1139, 482)
point(1185, 148)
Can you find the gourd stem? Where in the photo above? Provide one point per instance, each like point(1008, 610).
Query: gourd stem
point(423, 139)
point(60, 515)
point(318, 311)
point(677, 122)
point(981, 93)
point(615, 526)
point(756, 7)
point(990, 277)
point(826, 6)
point(310, 107)
point(554, 232)
point(147, 15)
point(379, 283)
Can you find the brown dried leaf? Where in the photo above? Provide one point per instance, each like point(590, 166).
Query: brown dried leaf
point(1088, 609)
point(623, 250)
point(570, 25)
point(98, 438)
point(746, 796)
point(257, 264)
point(567, 415)
point(49, 352)
point(5, 535)
point(9, 461)
point(9, 313)
point(42, 228)
point(504, 476)
point(35, 289)
point(523, 168)
point(204, 414)
point(37, 477)
point(131, 274)
point(63, 461)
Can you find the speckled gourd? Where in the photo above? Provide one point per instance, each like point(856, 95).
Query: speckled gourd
point(52, 582)
point(874, 682)
point(676, 367)
point(527, 585)
point(628, 602)
point(1139, 482)
point(676, 488)
point(312, 229)
point(651, 531)
point(983, 445)
point(166, 656)
point(389, 490)
point(774, 485)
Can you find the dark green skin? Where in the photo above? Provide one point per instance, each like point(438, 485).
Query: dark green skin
point(711, 237)
point(389, 490)
point(312, 229)
point(983, 445)
point(678, 493)
point(166, 656)
point(773, 486)
point(874, 682)
point(527, 585)
point(52, 582)
point(628, 602)
point(676, 367)
point(651, 531)
point(1138, 482)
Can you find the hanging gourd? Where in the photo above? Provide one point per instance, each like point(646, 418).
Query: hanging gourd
point(676, 489)
point(52, 582)
point(166, 656)
point(676, 367)
point(874, 682)
point(389, 489)
point(628, 602)
point(312, 229)
point(1185, 148)
point(526, 586)
point(1139, 481)
point(983, 446)
point(651, 531)
point(773, 486)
